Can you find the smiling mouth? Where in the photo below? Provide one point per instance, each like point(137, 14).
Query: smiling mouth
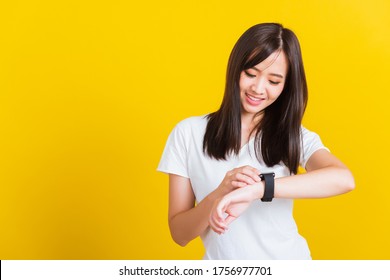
point(254, 100)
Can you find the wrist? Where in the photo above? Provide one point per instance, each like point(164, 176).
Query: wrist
point(258, 190)
point(216, 194)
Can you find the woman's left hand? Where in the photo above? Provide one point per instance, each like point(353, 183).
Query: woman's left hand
point(232, 205)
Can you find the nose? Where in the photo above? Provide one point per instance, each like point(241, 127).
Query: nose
point(258, 86)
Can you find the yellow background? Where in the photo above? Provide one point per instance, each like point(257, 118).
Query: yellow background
point(89, 91)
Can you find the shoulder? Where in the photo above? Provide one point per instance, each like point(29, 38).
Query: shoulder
point(192, 124)
point(311, 142)
point(308, 135)
point(184, 139)
point(310, 139)
point(305, 131)
point(192, 128)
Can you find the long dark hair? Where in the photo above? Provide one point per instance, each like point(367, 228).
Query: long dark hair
point(278, 134)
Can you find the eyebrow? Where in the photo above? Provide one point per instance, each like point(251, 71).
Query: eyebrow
point(271, 74)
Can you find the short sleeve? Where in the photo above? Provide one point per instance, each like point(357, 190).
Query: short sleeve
point(311, 142)
point(174, 157)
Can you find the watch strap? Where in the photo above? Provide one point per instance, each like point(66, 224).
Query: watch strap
point(269, 186)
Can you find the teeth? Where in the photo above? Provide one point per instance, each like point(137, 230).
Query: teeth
point(253, 98)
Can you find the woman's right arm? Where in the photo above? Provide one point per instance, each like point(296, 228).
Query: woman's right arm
point(187, 221)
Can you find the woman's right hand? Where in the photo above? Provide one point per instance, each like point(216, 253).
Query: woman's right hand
point(237, 178)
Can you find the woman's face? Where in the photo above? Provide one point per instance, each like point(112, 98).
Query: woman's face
point(262, 84)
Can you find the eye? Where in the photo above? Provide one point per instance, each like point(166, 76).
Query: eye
point(273, 82)
point(249, 74)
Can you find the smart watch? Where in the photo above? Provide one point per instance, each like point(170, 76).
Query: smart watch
point(269, 186)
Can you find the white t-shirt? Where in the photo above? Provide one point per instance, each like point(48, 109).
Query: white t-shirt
point(266, 230)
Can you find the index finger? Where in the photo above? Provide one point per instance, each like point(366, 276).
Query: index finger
point(251, 172)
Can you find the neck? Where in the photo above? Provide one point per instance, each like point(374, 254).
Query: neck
point(250, 121)
point(248, 126)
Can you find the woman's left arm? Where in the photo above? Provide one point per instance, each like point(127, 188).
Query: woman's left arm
point(326, 176)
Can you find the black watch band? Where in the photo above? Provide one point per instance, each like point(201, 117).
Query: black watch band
point(269, 186)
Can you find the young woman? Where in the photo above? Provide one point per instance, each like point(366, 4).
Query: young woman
point(233, 173)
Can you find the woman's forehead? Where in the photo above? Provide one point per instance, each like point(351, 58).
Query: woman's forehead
point(277, 61)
